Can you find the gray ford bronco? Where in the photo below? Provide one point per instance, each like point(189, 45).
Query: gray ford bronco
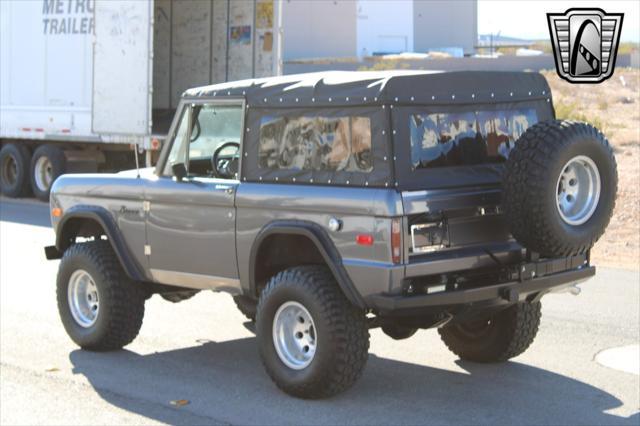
point(327, 204)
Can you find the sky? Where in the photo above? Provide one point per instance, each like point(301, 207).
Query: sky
point(527, 19)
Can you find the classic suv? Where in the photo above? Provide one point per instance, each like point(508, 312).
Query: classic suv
point(331, 203)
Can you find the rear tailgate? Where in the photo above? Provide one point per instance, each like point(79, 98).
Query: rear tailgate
point(449, 230)
point(463, 217)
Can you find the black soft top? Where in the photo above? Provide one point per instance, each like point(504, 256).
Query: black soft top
point(350, 88)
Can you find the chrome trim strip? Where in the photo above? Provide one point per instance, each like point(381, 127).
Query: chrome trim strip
point(197, 281)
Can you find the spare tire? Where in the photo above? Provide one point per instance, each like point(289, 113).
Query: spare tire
point(560, 187)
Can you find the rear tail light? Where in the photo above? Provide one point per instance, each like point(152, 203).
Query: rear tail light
point(396, 238)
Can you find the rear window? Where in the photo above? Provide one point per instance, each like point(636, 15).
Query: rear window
point(315, 143)
point(466, 138)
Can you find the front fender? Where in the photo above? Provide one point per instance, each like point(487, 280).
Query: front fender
point(66, 234)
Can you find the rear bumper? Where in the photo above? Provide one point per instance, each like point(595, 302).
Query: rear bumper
point(503, 293)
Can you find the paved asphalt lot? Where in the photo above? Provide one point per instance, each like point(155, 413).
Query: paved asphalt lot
point(202, 351)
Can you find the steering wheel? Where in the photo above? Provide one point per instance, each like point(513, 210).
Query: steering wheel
point(226, 166)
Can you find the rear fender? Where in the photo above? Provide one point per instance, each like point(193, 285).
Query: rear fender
point(318, 236)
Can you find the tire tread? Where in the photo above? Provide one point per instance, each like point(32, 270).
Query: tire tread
point(524, 185)
point(518, 327)
point(346, 322)
point(126, 307)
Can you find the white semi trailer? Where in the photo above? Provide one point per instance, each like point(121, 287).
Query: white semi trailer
point(82, 81)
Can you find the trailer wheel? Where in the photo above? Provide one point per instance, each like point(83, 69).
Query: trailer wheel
point(14, 170)
point(48, 162)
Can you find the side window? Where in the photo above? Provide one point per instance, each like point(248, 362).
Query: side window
point(316, 143)
point(178, 153)
point(207, 130)
point(466, 138)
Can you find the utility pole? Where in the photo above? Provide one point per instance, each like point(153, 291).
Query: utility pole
point(279, 35)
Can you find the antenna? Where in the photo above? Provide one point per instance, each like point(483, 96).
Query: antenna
point(135, 154)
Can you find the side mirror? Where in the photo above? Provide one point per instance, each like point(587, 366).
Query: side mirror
point(179, 171)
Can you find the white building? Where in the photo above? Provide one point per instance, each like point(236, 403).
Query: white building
point(349, 28)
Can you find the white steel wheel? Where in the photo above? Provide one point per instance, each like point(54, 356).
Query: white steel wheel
point(578, 190)
point(83, 298)
point(43, 173)
point(294, 335)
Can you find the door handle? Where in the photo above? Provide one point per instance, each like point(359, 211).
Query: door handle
point(226, 188)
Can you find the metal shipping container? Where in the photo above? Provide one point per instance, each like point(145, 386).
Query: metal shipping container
point(82, 80)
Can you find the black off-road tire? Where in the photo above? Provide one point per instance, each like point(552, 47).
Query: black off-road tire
point(121, 301)
point(341, 328)
point(531, 187)
point(506, 335)
point(58, 164)
point(178, 296)
point(247, 306)
point(398, 331)
point(16, 184)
